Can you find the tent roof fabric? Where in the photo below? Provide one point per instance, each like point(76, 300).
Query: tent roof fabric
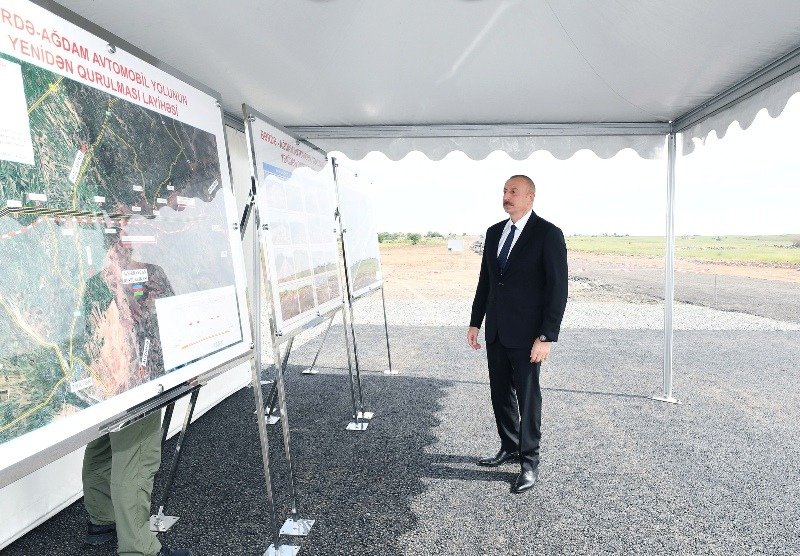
point(355, 64)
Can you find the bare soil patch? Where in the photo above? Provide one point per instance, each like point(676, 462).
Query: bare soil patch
point(429, 271)
point(758, 271)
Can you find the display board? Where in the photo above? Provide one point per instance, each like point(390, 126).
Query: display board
point(122, 275)
point(297, 207)
point(360, 233)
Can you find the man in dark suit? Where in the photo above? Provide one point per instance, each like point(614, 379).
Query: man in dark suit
point(522, 292)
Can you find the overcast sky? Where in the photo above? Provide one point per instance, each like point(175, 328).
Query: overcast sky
point(746, 183)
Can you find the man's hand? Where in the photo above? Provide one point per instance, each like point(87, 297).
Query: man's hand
point(472, 337)
point(540, 351)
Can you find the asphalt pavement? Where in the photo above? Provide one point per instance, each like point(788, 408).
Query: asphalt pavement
point(767, 298)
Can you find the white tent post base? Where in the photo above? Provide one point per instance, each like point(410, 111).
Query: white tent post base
point(667, 400)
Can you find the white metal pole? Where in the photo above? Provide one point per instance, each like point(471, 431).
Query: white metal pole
point(669, 272)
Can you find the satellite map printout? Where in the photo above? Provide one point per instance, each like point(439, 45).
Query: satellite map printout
point(115, 243)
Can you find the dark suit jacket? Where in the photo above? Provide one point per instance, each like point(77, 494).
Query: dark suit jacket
point(529, 298)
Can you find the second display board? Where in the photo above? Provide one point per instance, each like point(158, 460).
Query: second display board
point(297, 205)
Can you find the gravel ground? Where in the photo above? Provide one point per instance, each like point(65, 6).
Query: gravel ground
point(583, 313)
point(621, 474)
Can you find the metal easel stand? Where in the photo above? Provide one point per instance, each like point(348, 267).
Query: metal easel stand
point(293, 526)
point(311, 370)
point(161, 523)
point(361, 418)
point(276, 548)
point(357, 423)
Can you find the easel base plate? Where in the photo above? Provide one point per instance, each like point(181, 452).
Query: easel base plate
point(162, 523)
point(272, 419)
point(283, 550)
point(391, 372)
point(310, 371)
point(297, 527)
point(362, 422)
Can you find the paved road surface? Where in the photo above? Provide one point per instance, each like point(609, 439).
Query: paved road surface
point(766, 298)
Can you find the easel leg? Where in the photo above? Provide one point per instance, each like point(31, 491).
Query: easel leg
point(294, 525)
point(311, 370)
point(161, 523)
point(390, 371)
point(166, 422)
point(276, 547)
point(272, 399)
point(362, 418)
point(355, 424)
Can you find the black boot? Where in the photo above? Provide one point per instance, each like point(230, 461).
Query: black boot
point(174, 551)
point(100, 534)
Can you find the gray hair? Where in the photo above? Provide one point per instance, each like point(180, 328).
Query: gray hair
point(524, 178)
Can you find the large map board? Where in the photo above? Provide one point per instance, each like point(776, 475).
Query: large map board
point(360, 233)
point(121, 273)
point(297, 203)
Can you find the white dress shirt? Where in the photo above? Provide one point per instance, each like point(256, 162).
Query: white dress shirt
point(520, 224)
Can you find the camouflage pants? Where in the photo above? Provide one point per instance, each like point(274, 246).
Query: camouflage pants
point(118, 471)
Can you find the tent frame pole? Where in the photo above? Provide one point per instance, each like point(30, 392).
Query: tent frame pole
point(669, 273)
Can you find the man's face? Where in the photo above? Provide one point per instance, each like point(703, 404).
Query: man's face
point(517, 197)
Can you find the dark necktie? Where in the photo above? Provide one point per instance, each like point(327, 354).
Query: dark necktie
point(502, 258)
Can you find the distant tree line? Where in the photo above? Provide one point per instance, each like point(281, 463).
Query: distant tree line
point(410, 237)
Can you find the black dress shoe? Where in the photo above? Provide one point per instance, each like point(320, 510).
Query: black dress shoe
point(526, 479)
point(100, 534)
point(174, 552)
point(499, 458)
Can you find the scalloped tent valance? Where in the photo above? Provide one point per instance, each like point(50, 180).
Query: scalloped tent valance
point(348, 74)
point(509, 139)
point(773, 98)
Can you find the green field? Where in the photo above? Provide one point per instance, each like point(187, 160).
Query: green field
point(783, 250)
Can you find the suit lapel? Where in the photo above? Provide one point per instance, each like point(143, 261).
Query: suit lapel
point(492, 244)
point(524, 238)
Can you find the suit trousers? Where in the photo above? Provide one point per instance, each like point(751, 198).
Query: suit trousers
point(516, 399)
point(118, 472)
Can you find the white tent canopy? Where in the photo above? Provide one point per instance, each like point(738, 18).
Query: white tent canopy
point(473, 75)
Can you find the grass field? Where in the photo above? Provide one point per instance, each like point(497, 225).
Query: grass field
point(783, 250)
point(780, 250)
